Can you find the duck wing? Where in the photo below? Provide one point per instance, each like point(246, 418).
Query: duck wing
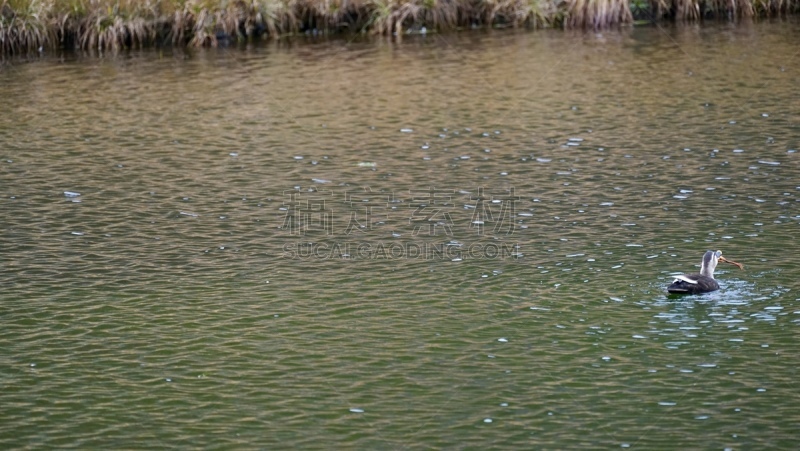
point(686, 278)
point(692, 284)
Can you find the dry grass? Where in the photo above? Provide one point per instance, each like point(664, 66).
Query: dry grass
point(521, 13)
point(327, 15)
point(25, 26)
point(29, 25)
point(106, 24)
point(391, 16)
point(688, 10)
point(597, 13)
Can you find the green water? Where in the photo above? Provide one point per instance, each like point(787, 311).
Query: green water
point(460, 241)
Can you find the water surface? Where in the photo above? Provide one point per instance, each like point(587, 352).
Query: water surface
point(454, 241)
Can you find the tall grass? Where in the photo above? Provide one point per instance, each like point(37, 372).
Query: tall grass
point(520, 13)
point(597, 13)
point(33, 25)
point(25, 26)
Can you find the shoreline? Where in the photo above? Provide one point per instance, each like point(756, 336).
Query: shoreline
point(30, 26)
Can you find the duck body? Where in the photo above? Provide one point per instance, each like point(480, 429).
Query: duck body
point(702, 282)
point(693, 284)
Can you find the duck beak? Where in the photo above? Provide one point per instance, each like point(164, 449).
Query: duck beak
point(725, 260)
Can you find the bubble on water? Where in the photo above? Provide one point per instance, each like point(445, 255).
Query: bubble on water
point(406, 130)
point(356, 410)
point(487, 420)
point(503, 340)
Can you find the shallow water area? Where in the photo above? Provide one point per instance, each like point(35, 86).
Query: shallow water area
point(457, 240)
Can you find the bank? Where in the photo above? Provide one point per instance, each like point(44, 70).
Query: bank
point(29, 26)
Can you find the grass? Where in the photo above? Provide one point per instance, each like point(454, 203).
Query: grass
point(33, 25)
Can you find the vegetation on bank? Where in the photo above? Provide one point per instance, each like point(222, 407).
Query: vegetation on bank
point(31, 25)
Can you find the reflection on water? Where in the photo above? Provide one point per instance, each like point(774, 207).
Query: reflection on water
point(460, 239)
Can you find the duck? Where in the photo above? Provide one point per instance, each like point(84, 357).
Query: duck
point(702, 282)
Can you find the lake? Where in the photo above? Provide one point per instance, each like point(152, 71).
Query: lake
point(456, 241)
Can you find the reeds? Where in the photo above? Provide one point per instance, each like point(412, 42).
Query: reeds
point(34, 25)
point(521, 13)
point(597, 13)
point(24, 26)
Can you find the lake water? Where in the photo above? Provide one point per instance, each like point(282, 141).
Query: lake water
point(456, 241)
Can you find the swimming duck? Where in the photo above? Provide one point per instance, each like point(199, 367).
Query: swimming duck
point(703, 282)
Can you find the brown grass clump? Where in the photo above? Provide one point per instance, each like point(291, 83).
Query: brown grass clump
point(112, 24)
point(208, 21)
point(30, 25)
point(597, 13)
point(689, 10)
point(24, 26)
point(392, 17)
point(520, 13)
point(444, 14)
point(328, 15)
